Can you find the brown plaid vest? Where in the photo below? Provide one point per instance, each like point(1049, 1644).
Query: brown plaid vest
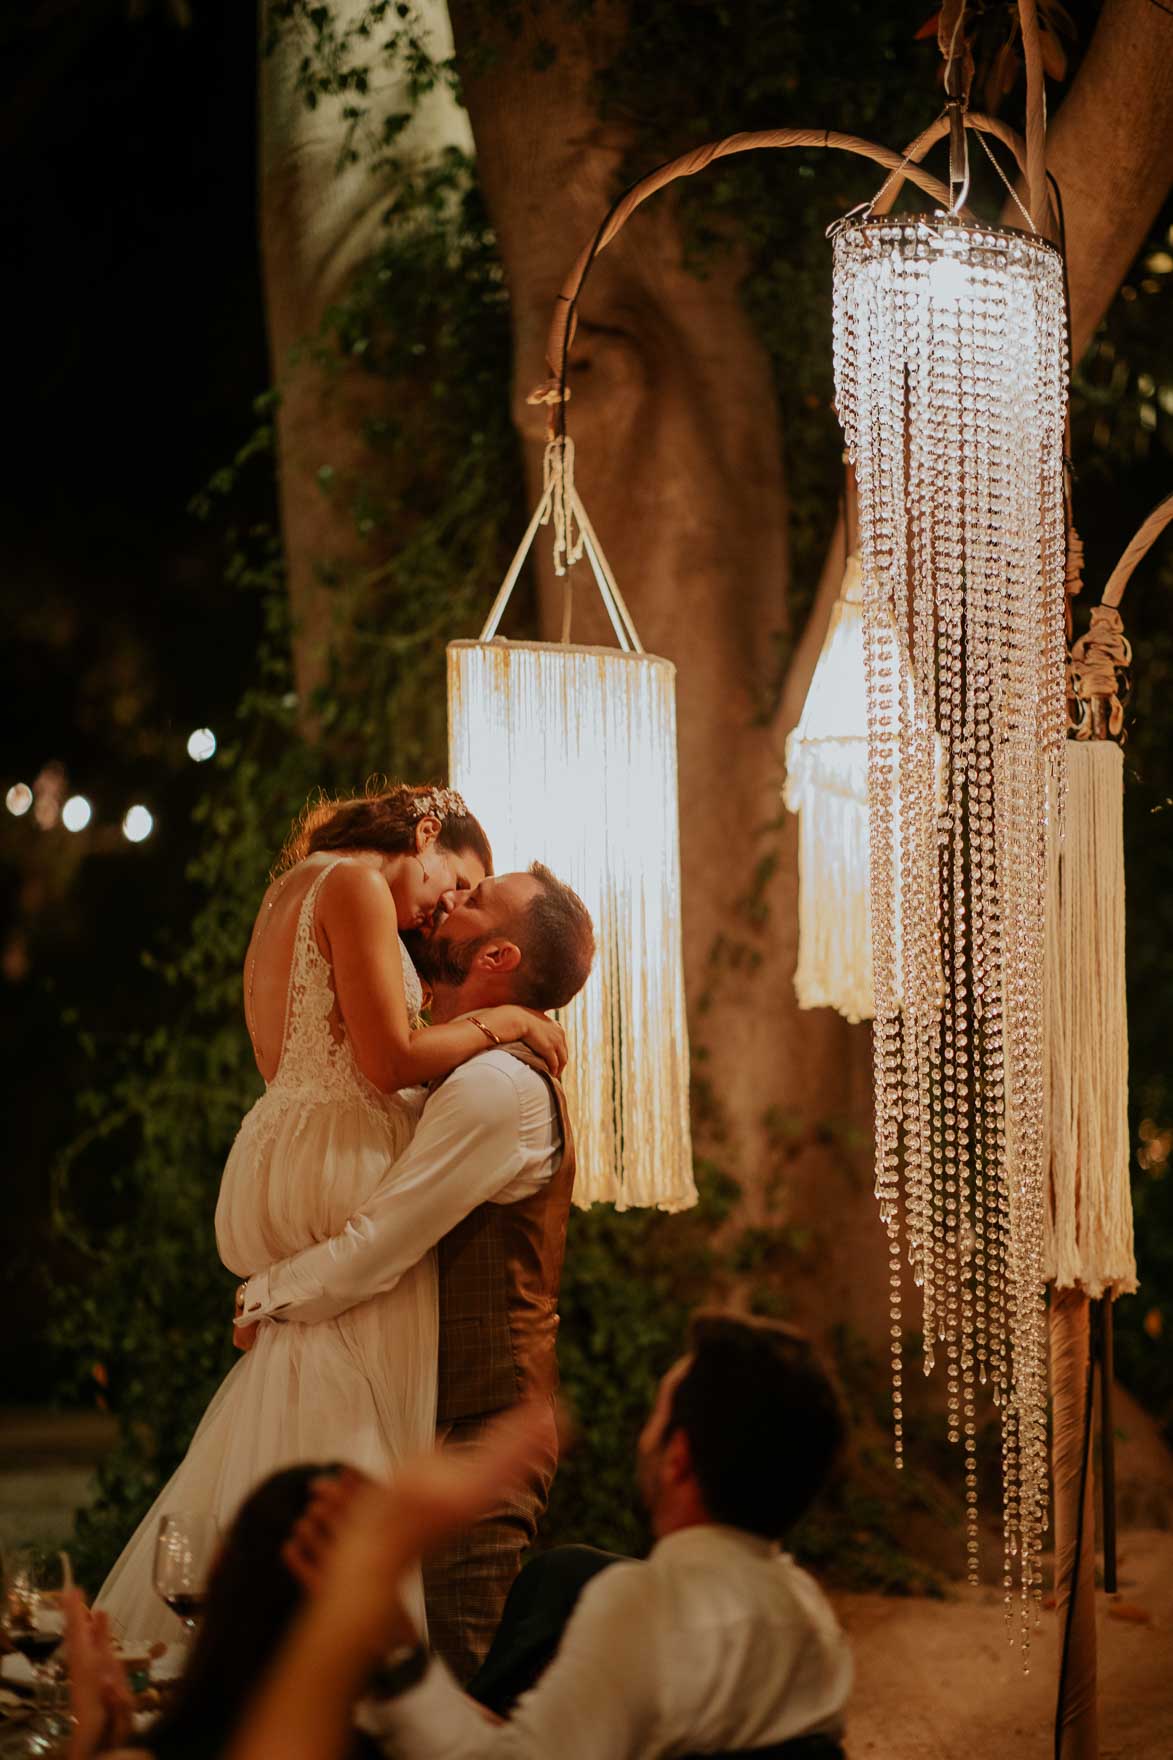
point(500, 1270)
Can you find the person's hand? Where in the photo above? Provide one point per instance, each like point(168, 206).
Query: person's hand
point(243, 1337)
point(315, 1533)
point(99, 1693)
point(511, 1023)
point(357, 1539)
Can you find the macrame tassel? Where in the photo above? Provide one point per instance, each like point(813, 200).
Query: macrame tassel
point(1088, 1239)
point(827, 786)
point(570, 755)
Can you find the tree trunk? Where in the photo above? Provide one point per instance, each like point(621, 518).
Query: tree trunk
point(319, 224)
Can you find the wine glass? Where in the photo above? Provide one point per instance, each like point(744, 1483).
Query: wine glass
point(184, 1553)
point(33, 1622)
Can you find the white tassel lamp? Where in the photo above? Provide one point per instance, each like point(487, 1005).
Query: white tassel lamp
point(568, 756)
point(827, 786)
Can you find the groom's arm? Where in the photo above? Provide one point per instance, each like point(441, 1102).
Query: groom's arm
point(491, 1124)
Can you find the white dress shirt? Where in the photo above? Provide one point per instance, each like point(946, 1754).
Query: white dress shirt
point(717, 1641)
point(489, 1134)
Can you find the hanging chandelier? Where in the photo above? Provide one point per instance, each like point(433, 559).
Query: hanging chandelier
point(570, 756)
point(950, 372)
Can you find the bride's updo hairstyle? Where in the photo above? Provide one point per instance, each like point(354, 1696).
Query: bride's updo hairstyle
point(385, 819)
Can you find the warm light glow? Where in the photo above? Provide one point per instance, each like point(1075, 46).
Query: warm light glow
point(827, 786)
point(201, 745)
point(76, 813)
point(949, 280)
point(568, 756)
point(19, 799)
point(137, 825)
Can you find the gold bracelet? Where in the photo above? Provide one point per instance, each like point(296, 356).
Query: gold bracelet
point(487, 1031)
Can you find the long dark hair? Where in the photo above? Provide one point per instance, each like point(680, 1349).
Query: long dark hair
point(384, 818)
point(252, 1598)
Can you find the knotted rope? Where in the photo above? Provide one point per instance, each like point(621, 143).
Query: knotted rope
point(1099, 668)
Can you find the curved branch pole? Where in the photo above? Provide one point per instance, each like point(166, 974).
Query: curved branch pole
point(1139, 548)
point(901, 167)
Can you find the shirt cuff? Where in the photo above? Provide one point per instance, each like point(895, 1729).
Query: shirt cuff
point(285, 1291)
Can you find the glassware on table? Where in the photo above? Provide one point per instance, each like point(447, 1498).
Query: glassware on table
point(184, 1554)
point(33, 1622)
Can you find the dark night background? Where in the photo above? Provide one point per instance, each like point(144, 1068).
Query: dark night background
point(135, 345)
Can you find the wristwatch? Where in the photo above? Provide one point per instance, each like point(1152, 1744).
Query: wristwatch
point(403, 1669)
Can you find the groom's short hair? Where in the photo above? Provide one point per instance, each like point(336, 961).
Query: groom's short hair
point(557, 941)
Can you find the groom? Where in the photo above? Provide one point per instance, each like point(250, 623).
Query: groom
point(487, 1179)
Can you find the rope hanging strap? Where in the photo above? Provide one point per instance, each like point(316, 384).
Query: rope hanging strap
point(574, 537)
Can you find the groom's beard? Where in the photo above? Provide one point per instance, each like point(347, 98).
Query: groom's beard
point(441, 962)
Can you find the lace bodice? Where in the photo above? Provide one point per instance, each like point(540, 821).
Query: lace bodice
point(312, 1059)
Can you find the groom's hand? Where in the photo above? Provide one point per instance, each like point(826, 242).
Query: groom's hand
point(243, 1337)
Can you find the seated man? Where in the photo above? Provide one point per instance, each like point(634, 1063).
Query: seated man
point(718, 1642)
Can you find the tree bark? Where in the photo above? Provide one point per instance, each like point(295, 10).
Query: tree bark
point(319, 224)
point(1111, 153)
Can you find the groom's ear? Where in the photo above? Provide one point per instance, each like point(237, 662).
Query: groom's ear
point(499, 957)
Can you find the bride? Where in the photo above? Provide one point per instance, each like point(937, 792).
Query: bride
point(332, 1003)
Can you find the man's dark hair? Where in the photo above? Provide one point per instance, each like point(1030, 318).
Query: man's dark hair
point(763, 1421)
point(557, 942)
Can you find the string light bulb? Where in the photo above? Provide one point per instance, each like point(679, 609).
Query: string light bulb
point(138, 824)
point(201, 745)
point(76, 813)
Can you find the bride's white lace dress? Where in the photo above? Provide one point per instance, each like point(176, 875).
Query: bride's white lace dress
point(360, 1388)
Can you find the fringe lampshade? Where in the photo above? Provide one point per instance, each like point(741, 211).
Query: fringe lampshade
point(827, 786)
point(950, 370)
point(569, 757)
point(1088, 1216)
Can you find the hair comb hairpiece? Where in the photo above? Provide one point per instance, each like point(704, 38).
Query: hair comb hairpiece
point(440, 803)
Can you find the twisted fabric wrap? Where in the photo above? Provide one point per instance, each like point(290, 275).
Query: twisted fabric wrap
point(1099, 665)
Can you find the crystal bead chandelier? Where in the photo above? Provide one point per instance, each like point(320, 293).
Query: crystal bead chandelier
point(950, 372)
point(570, 756)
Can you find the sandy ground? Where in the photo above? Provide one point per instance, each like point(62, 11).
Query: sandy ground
point(937, 1680)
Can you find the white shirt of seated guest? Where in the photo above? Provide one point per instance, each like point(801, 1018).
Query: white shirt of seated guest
point(718, 1641)
point(488, 1134)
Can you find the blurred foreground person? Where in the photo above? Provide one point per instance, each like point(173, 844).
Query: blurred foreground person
point(717, 1643)
point(253, 1596)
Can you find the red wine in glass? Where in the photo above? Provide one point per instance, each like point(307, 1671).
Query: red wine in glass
point(37, 1644)
point(184, 1553)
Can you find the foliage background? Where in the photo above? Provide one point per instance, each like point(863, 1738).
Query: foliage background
point(139, 1319)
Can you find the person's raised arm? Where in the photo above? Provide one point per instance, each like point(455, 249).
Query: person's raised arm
point(356, 915)
point(354, 1564)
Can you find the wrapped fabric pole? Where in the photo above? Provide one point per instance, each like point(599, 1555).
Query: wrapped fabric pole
point(1077, 1728)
